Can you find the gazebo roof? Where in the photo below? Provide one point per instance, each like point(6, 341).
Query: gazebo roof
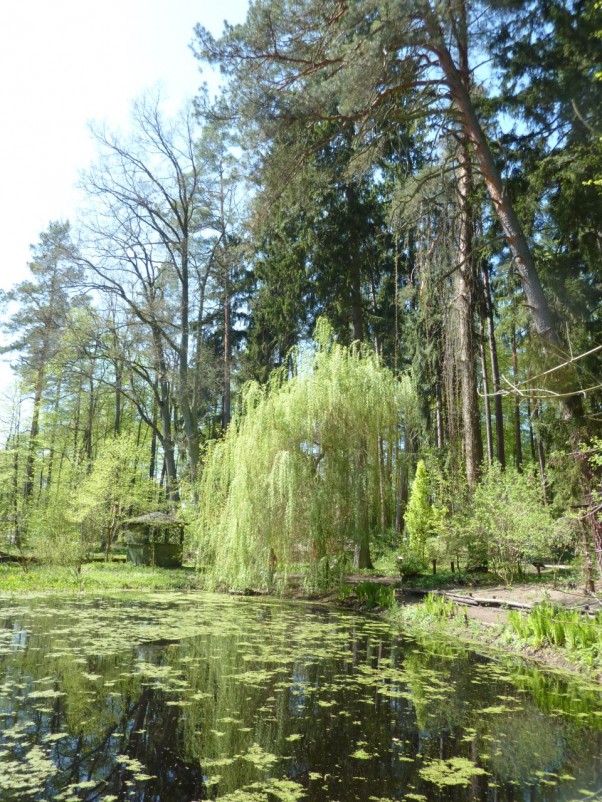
point(155, 519)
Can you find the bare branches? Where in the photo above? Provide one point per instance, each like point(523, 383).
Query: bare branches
point(525, 389)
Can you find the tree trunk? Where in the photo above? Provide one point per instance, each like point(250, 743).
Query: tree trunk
point(152, 467)
point(361, 556)
point(35, 428)
point(88, 431)
point(541, 455)
point(518, 446)
point(541, 315)
point(495, 373)
point(485, 375)
point(51, 454)
point(118, 398)
point(164, 404)
point(464, 303)
point(403, 492)
point(355, 264)
point(185, 390)
point(226, 413)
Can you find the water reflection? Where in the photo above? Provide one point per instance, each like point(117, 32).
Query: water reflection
point(174, 697)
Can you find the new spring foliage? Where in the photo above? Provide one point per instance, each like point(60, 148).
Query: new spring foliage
point(308, 467)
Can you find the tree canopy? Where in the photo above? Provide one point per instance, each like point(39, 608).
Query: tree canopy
point(420, 180)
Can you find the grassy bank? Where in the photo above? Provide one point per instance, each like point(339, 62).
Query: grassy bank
point(95, 576)
point(440, 618)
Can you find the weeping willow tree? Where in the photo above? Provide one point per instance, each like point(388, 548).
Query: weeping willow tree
point(307, 470)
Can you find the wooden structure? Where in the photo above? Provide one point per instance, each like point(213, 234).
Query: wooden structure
point(154, 539)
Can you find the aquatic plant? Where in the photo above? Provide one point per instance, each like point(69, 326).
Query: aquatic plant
point(175, 696)
point(455, 771)
point(306, 470)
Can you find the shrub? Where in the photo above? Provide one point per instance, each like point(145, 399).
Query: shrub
point(510, 521)
point(56, 538)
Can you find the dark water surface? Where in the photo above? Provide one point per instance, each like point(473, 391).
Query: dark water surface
point(177, 697)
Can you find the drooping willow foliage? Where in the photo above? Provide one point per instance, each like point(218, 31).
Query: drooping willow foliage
point(309, 468)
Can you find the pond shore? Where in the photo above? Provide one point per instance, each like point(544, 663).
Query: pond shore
point(483, 628)
point(481, 621)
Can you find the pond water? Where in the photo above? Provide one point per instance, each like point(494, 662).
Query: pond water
point(174, 698)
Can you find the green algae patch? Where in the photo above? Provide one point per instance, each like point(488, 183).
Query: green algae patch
point(273, 789)
point(27, 776)
point(455, 771)
point(259, 757)
point(361, 754)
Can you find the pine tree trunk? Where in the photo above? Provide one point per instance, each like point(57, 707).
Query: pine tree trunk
point(541, 315)
point(356, 306)
point(531, 434)
point(541, 455)
point(51, 453)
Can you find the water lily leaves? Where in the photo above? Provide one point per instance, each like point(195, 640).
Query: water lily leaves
point(55, 736)
point(135, 767)
point(47, 694)
point(272, 789)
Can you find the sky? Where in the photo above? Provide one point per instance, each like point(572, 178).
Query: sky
point(64, 64)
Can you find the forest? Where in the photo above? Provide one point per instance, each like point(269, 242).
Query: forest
point(344, 312)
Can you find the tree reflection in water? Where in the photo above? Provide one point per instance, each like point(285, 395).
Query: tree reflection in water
point(187, 698)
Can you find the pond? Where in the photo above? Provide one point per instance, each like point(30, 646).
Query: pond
point(174, 697)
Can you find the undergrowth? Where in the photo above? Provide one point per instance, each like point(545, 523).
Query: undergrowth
point(433, 609)
point(374, 595)
point(549, 625)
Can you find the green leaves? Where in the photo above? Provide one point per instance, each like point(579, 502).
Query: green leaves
point(424, 519)
point(300, 473)
point(510, 521)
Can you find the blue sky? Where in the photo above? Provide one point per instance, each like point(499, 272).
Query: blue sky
point(65, 63)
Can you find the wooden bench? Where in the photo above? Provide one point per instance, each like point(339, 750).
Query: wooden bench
point(546, 562)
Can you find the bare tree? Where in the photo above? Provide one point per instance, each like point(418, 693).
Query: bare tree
point(147, 246)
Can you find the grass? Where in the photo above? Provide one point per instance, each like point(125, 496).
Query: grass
point(96, 576)
point(432, 610)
